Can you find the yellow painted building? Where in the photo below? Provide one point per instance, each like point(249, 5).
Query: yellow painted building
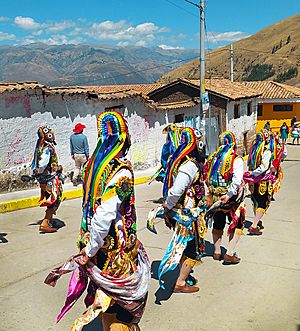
point(277, 104)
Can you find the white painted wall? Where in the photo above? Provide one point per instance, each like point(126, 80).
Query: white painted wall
point(22, 112)
point(244, 123)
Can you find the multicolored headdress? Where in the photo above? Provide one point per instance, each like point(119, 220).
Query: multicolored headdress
point(173, 132)
point(273, 145)
point(222, 160)
point(188, 143)
point(257, 148)
point(45, 134)
point(173, 138)
point(112, 133)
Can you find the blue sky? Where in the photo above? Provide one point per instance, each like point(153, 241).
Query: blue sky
point(165, 23)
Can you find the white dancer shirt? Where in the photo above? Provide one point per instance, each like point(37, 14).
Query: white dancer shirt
point(105, 214)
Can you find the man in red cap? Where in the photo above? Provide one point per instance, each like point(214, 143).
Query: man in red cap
point(79, 150)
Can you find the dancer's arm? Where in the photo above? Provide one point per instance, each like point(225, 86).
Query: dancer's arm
point(238, 171)
point(105, 214)
point(264, 166)
point(183, 181)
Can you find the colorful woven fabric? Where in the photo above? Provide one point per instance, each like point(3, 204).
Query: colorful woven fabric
point(45, 137)
point(257, 149)
point(220, 162)
point(186, 222)
point(187, 144)
point(112, 132)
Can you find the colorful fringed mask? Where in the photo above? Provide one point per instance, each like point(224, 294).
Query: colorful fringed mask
point(45, 134)
point(257, 148)
point(188, 143)
point(273, 145)
point(222, 160)
point(173, 138)
point(113, 138)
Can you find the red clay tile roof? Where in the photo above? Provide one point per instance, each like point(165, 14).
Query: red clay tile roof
point(274, 90)
point(141, 88)
point(224, 87)
point(12, 86)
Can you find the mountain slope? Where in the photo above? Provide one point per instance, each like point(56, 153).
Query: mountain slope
point(272, 53)
point(88, 64)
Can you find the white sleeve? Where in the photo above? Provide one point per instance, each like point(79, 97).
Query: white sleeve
point(285, 152)
point(183, 181)
point(238, 171)
point(105, 214)
point(264, 166)
point(44, 160)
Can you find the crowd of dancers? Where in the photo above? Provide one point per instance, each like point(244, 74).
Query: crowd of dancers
point(199, 193)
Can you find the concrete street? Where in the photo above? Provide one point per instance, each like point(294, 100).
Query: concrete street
point(261, 293)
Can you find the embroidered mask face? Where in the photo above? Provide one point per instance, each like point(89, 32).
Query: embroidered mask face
point(200, 140)
point(266, 135)
point(47, 134)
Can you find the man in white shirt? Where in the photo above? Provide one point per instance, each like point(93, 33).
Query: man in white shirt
point(225, 184)
point(184, 197)
point(108, 236)
point(259, 164)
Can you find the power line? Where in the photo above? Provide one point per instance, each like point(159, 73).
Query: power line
point(182, 8)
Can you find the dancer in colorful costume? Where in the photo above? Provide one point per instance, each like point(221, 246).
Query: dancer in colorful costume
point(183, 210)
point(226, 196)
point(172, 141)
point(260, 178)
point(279, 153)
point(48, 173)
point(111, 256)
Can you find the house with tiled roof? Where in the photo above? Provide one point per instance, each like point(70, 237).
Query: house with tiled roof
point(277, 103)
point(148, 108)
point(233, 107)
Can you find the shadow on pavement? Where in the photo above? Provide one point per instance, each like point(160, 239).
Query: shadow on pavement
point(159, 201)
point(2, 239)
point(56, 222)
point(247, 224)
point(168, 279)
point(36, 223)
point(209, 249)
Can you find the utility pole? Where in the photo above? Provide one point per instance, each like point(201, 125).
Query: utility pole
point(231, 62)
point(200, 6)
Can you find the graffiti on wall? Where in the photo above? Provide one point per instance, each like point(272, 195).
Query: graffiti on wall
point(189, 121)
point(138, 128)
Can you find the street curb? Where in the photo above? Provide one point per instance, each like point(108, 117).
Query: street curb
point(18, 204)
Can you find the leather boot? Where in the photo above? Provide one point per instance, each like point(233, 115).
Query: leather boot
point(45, 227)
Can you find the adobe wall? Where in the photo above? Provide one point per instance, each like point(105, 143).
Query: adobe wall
point(22, 112)
point(244, 127)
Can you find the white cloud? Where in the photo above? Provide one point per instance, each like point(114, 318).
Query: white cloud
point(4, 19)
point(123, 33)
point(57, 39)
point(231, 36)
point(37, 33)
point(123, 43)
point(26, 23)
point(7, 36)
point(60, 26)
point(141, 34)
point(170, 47)
point(179, 37)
